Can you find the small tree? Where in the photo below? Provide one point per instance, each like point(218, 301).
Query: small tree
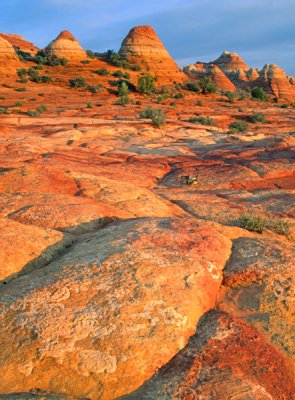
point(157, 116)
point(77, 82)
point(258, 93)
point(146, 84)
point(123, 94)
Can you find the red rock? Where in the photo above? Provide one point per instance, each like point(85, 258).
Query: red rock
point(235, 67)
point(142, 46)
point(66, 46)
point(215, 74)
point(8, 59)
point(277, 81)
point(127, 298)
point(19, 42)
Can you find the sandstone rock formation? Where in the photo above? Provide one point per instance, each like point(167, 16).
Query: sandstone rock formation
point(215, 74)
point(66, 46)
point(142, 46)
point(8, 59)
point(235, 67)
point(127, 299)
point(277, 81)
point(19, 42)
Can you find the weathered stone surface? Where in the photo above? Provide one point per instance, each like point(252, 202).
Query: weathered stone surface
point(66, 46)
point(259, 287)
point(278, 82)
point(19, 42)
point(26, 247)
point(127, 299)
point(235, 67)
point(8, 59)
point(142, 46)
point(224, 359)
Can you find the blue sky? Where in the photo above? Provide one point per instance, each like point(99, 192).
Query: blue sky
point(261, 31)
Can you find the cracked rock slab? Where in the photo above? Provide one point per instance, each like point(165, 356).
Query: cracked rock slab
point(99, 321)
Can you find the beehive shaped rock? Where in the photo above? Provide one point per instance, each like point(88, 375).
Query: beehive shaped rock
point(66, 46)
point(235, 67)
point(198, 70)
point(8, 59)
point(142, 46)
point(278, 82)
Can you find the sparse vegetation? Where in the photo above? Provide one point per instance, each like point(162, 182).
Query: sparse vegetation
point(96, 88)
point(33, 113)
point(256, 118)
point(21, 89)
point(238, 127)
point(199, 103)
point(231, 96)
point(89, 105)
point(102, 72)
point(4, 110)
point(156, 115)
point(192, 86)
point(79, 82)
point(258, 93)
point(123, 94)
point(202, 120)
point(90, 54)
point(257, 223)
point(146, 84)
point(116, 60)
point(41, 108)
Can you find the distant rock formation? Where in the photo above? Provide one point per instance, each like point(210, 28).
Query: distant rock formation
point(66, 46)
point(19, 42)
point(278, 82)
point(198, 70)
point(8, 59)
point(142, 46)
point(235, 68)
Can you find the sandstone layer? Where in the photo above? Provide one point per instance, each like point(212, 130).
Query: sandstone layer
point(66, 46)
point(142, 46)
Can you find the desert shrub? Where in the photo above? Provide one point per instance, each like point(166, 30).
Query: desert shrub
point(284, 105)
point(192, 86)
point(238, 126)
point(251, 222)
point(102, 72)
point(146, 84)
point(116, 60)
point(206, 85)
point(89, 105)
point(257, 223)
point(79, 82)
point(22, 72)
point(118, 83)
point(123, 94)
point(21, 89)
point(256, 117)
point(41, 108)
point(90, 54)
point(199, 103)
point(96, 88)
point(4, 110)
point(156, 115)
point(242, 94)
point(85, 62)
point(231, 96)
point(202, 120)
point(179, 95)
point(42, 58)
point(258, 93)
point(18, 104)
point(33, 113)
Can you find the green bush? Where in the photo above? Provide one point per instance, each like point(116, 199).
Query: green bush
point(85, 62)
point(202, 120)
point(4, 110)
point(146, 84)
point(157, 116)
point(77, 82)
point(123, 94)
point(96, 88)
point(258, 93)
point(102, 72)
point(21, 89)
point(231, 96)
point(41, 108)
point(199, 103)
point(192, 86)
point(33, 113)
point(179, 96)
point(238, 126)
point(89, 105)
point(256, 117)
point(251, 222)
point(206, 85)
point(90, 54)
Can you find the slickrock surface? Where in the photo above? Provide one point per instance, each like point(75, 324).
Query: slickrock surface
point(198, 70)
point(118, 296)
point(119, 278)
point(66, 46)
point(142, 46)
